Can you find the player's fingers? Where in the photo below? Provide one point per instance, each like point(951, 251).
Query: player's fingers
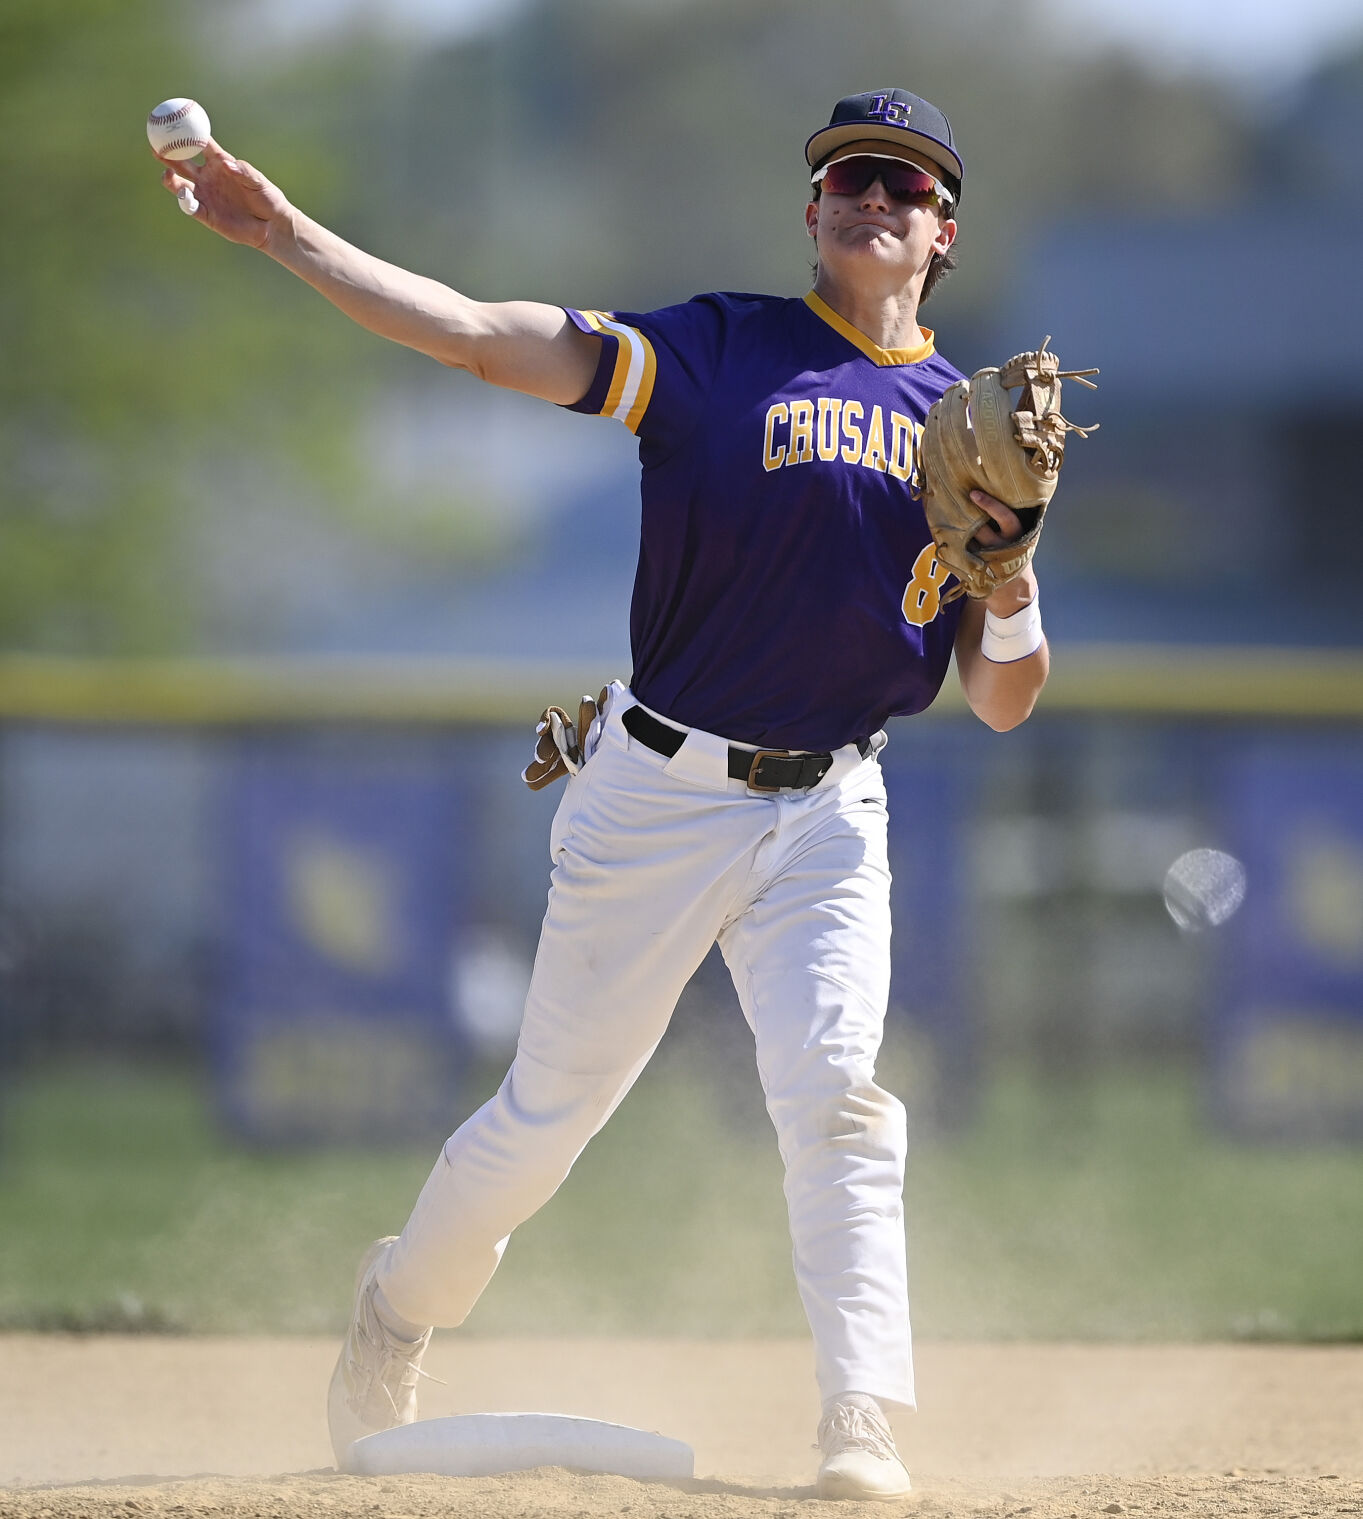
point(185, 167)
point(215, 153)
point(1006, 520)
point(183, 192)
point(220, 161)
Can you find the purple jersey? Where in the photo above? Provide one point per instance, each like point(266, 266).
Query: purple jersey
point(787, 593)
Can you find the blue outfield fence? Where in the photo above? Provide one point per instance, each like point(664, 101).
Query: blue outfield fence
point(1287, 1029)
point(931, 776)
point(329, 878)
point(348, 869)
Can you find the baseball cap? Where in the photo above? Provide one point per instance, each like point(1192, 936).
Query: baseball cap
point(891, 116)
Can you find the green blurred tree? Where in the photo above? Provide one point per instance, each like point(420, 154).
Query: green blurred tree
point(154, 376)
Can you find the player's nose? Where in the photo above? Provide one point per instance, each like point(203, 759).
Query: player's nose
point(874, 196)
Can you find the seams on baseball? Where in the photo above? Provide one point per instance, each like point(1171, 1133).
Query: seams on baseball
point(178, 128)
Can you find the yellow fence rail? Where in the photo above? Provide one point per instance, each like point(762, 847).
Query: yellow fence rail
point(1145, 679)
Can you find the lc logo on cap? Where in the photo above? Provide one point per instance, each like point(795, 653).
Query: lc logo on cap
point(887, 108)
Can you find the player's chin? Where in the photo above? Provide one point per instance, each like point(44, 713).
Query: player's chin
point(880, 244)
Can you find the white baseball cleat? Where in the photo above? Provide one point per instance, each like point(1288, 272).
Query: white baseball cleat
point(374, 1384)
point(859, 1458)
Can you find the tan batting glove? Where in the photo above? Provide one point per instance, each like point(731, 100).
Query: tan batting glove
point(556, 752)
point(559, 742)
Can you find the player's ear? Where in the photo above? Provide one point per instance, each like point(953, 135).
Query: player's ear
point(812, 218)
point(946, 234)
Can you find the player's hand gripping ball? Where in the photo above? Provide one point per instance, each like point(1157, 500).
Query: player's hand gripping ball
point(178, 129)
point(223, 193)
point(975, 439)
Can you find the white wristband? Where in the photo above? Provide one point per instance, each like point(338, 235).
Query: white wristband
point(1007, 639)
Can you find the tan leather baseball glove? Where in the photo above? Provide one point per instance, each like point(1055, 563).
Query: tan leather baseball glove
point(976, 439)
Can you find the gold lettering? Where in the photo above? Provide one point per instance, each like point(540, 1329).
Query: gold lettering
point(875, 456)
point(830, 415)
point(901, 445)
point(773, 457)
point(852, 448)
point(801, 433)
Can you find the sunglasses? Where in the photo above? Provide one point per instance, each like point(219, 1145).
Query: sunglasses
point(905, 183)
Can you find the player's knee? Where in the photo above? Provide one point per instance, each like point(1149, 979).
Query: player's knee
point(859, 1116)
point(868, 1111)
point(527, 1137)
point(536, 1096)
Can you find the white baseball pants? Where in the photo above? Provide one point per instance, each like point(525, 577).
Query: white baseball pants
point(655, 859)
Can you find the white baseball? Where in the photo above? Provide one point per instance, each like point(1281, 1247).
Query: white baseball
point(178, 128)
point(1203, 888)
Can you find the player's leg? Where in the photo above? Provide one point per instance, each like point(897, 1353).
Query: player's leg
point(496, 1170)
point(810, 959)
point(646, 869)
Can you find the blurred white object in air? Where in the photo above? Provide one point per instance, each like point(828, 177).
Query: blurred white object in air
point(489, 982)
point(1203, 888)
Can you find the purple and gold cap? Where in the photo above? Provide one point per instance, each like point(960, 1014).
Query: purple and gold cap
point(891, 116)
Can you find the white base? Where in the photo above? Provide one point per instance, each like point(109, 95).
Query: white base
point(487, 1445)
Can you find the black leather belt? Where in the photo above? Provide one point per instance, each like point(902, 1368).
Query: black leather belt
point(763, 770)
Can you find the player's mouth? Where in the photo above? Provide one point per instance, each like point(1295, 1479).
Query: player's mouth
point(872, 221)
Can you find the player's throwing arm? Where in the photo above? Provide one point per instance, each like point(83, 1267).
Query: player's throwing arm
point(520, 345)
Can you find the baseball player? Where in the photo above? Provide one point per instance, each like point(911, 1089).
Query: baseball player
point(788, 601)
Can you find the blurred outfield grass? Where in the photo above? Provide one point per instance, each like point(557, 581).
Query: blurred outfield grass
point(1116, 1215)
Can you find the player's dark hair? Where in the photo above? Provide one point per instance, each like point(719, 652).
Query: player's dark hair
point(939, 266)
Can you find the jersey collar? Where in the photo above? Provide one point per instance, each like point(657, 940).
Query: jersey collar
point(873, 351)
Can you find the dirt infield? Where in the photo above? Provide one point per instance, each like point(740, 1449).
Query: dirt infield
point(147, 1426)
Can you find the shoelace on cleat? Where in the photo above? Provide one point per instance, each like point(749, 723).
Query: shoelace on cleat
point(391, 1366)
point(404, 1381)
point(847, 1427)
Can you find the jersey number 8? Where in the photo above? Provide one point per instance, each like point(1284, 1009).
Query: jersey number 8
point(923, 594)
